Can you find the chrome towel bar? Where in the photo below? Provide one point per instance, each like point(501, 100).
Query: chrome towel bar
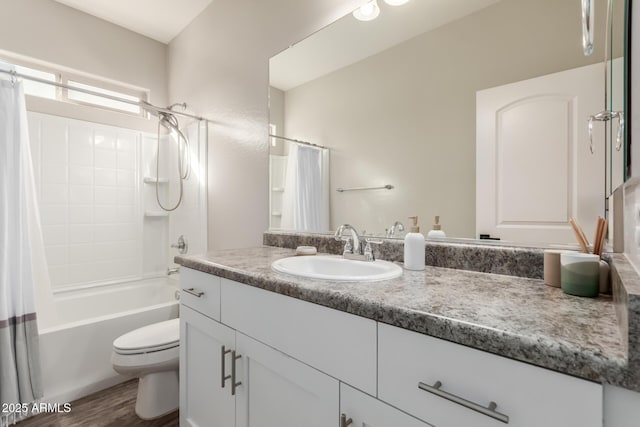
point(384, 187)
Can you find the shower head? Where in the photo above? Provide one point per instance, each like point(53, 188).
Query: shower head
point(182, 105)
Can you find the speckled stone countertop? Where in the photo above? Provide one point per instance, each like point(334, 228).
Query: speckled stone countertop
point(515, 317)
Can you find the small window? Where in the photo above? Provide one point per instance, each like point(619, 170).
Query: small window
point(86, 98)
point(32, 88)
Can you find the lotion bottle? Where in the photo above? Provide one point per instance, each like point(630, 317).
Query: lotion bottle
point(436, 232)
point(414, 247)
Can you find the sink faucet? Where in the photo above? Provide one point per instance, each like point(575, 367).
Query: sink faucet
point(397, 226)
point(352, 244)
point(355, 247)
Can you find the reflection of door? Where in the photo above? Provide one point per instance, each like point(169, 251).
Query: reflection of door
point(534, 169)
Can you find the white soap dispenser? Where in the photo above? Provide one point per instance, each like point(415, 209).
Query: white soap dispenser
point(436, 232)
point(414, 247)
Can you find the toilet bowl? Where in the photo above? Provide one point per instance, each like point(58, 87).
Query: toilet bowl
point(151, 354)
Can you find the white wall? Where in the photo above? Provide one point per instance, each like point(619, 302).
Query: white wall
point(219, 64)
point(52, 32)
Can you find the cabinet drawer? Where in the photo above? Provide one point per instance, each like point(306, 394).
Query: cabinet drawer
point(200, 291)
point(366, 411)
point(528, 395)
point(339, 344)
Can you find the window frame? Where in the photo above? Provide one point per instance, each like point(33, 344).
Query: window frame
point(64, 76)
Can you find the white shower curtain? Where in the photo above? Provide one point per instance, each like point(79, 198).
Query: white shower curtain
point(20, 381)
point(305, 202)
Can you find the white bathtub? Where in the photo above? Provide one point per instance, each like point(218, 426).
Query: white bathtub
point(75, 352)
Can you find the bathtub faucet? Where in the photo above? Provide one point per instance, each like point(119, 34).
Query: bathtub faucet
point(171, 271)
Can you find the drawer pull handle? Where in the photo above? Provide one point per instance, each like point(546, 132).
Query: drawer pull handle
point(223, 375)
point(489, 411)
point(344, 421)
point(234, 383)
point(193, 292)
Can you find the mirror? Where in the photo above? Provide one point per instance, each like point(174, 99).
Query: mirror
point(472, 111)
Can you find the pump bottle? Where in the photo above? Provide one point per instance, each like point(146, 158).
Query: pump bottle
point(414, 247)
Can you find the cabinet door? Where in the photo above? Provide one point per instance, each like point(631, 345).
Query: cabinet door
point(278, 390)
point(366, 411)
point(203, 402)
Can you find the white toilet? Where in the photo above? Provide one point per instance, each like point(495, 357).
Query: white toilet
point(151, 353)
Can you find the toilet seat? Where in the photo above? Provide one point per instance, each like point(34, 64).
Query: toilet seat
point(149, 339)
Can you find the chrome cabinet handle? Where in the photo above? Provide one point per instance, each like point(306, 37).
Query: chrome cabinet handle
point(620, 133)
point(193, 292)
point(605, 116)
point(587, 26)
point(344, 421)
point(234, 384)
point(489, 411)
point(223, 374)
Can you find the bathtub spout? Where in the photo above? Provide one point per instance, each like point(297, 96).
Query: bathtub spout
point(171, 271)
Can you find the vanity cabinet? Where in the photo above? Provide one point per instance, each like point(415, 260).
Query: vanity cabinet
point(277, 390)
point(298, 363)
point(203, 402)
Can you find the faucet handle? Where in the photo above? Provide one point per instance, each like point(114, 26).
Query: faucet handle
point(368, 251)
point(348, 246)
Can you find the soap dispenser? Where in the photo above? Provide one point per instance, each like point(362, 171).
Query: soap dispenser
point(414, 247)
point(436, 232)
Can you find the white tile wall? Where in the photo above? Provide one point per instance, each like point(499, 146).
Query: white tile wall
point(88, 180)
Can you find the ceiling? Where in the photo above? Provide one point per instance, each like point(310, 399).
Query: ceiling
point(160, 20)
point(348, 40)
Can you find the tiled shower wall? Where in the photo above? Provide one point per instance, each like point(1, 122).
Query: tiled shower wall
point(89, 184)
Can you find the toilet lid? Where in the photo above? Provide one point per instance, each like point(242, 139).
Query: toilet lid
point(157, 336)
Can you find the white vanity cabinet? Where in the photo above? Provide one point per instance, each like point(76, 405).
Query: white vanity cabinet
point(278, 390)
point(203, 342)
point(298, 363)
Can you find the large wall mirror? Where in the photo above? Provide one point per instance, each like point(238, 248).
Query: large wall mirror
point(475, 111)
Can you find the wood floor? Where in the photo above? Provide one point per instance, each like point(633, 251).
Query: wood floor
point(113, 407)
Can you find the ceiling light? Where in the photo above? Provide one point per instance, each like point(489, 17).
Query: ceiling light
point(396, 2)
point(367, 12)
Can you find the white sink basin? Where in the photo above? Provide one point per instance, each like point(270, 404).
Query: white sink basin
point(337, 268)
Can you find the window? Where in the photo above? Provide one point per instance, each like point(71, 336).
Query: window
point(41, 90)
point(86, 98)
point(80, 82)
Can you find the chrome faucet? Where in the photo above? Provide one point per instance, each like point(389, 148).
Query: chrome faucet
point(355, 247)
point(397, 226)
point(352, 244)
point(171, 271)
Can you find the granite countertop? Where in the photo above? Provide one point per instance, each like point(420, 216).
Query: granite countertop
point(510, 316)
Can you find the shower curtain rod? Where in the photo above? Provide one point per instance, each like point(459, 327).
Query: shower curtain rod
point(142, 104)
point(297, 141)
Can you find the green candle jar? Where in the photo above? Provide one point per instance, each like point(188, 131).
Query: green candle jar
point(580, 274)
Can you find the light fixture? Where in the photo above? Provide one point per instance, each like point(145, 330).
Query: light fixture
point(396, 2)
point(367, 12)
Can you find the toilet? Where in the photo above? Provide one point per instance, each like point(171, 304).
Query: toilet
point(151, 353)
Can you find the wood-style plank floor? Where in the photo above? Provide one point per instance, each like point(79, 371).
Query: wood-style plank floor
point(113, 407)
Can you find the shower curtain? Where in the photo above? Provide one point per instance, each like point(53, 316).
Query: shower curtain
point(305, 202)
point(19, 234)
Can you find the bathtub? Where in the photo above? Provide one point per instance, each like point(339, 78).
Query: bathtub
point(75, 352)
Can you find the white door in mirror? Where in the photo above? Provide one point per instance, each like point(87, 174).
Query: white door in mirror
point(534, 169)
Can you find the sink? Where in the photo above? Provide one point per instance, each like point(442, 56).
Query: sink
point(337, 268)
